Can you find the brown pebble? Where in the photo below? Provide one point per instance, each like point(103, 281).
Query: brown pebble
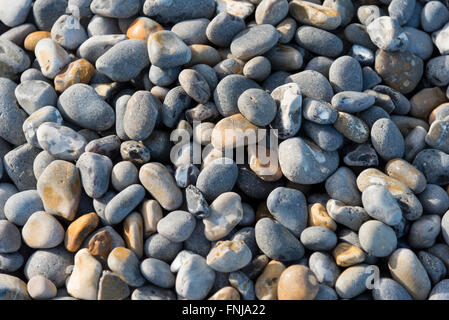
point(297, 282)
point(267, 283)
point(425, 101)
point(79, 71)
point(347, 255)
point(101, 244)
point(133, 233)
point(33, 38)
point(226, 293)
point(318, 217)
point(142, 28)
point(79, 229)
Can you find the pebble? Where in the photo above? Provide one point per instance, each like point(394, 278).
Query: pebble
point(406, 269)
point(440, 291)
point(434, 200)
point(277, 242)
point(432, 164)
point(324, 268)
point(194, 279)
point(59, 187)
point(342, 186)
point(388, 289)
point(158, 247)
point(400, 70)
point(423, 232)
point(177, 226)
point(83, 282)
point(95, 171)
point(124, 61)
point(352, 281)
point(195, 85)
point(387, 139)
point(161, 185)
point(142, 111)
point(10, 262)
point(150, 292)
point(266, 284)
point(345, 74)
point(50, 263)
point(380, 204)
point(52, 58)
point(107, 146)
point(111, 287)
point(299, 170)
point(10, 237)
point(289, 208)
point(288, 120)
point(42, 231)
point(434, 266)
point(94, 47)
point(318, 216)
point(126, 264)
point(347, 255)
point(229, 256)
point(254, 41)
point(173, 11)
point(19, 167)
point(319, 41)
point(257, 106)
point(79, 229)
point(157, 272)
point(33, 95)
point(78, 71)
point(316, 15)
point(33, 122)
point(350, 216)
point(110, 8)
point(386, 33)
point(13, 288)
point(14, 60)
point(123, 174)
point(40, 288)
point(297, 283)
point(68, 32)
point(318, 238)
point(352, 101)
point(123, 203)
point(167, 50)
point(226, 293)
point(377, 239)
point(60, 141)
point(434, 15)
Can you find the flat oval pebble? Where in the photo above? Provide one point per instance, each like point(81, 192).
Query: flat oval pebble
point(254, 41)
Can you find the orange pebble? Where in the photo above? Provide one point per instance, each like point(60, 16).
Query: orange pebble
point(33, 38)
point(79, 71)
point(142, 28)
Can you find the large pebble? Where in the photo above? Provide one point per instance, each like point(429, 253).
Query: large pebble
point(167, 50)
point(83, 282)
point(123, 203)
point(42, 231)
point(254, 41)
point(297, 283)
point(125, 263)
point(177, 226)
point(377, 239)
point(229, 256)
point(195, 278)
point(95, 170)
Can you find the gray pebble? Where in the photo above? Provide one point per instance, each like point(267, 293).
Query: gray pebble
point(42, 160)
point(377, 239)
point(177, 226)
point(35, 94)
point(313, 85)
point(352, 281)
point(351, 101)
point(195, 85)
point(141, 114)
point(243, 284)
point(324, 267)
point(401, 10)
point(51, 263)
point(124, 174)
point(32, 123)
point(217, 177)
point(319, 41)
point(46, 12)
point(314, 166)
point(434, 266)
point(387, 139)
point(124, 61)
point(440, 291)
point(167, 50)
point(18, 164)
point(370, 78)
point(14, 13)
point(150, 292)
point(107, 146)
point(318, 238)
point(20, 206)
point(380, 204)
point(326, 293)
point(229, 256)
point(157, 272)
point(125, 263)
point(289, 208)
point(342, 186)
point(114, 9)
point(192, 31)
point(10, 239)
point(258, 68)
point(277, 242)
point(257, 106)
point(100, 25)
point(434, 15)
point(163, 77)
point(345, 74)
point(386, 33)
point(223, 28)
point(372, 114)
point(434, 164)
point(95, 171)
point(159, 247)
point(420, 43)
point(434, 200)
point(254, 41)
point(196, 203)
point(10, 262)
point(436, 70)
point(197, 242)
point(350, 216)
point(94, 47)
point(173, 11)
point(68, 32)
point(123, 203)
point(175, 102)
point(388, 289)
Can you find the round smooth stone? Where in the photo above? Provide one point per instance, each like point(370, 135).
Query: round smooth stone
point(10, 262)
point(223, 28)
point(60, 141)
point(440, 291)
point(217, 178)
point(277, 242)
point(95, 170)
point(388, 289)
point(377, 239)
point(19, 167)
point(192, 31)
point(142, 111)
point(434, 200)
point(40, 288)
point(380, 204)
point(271, 11)
point(167, 50)
point(52, 58)
point(352, 101)
point(177, 226)
point(433, 163)
point(345, 74)
point(386, 33)
point(350, 216)
point(10, 237)
point(303, 162)
point(229, 256)
point(406, 269)
point(20, 206)
point(424, 231)
point(254, 41)
point(434, 15)
point(387, 139)
point(110, 8)
point(123, 203)
point(78, 71)
point(318, 238)
point(312, 85)
point(46, 12)
point(50, 263)
point(157, 272)
point(257, 106)
point(14, 60)
point(316, 15)
point(352, 281)
point(406, 173)
point(174, 11)
point(68, 32)
point(319, 111)
point(33, 95)
point(195, 85)
point(123, 175)
point(258, 68)
point(125, 263)
point(14, 13)
point(297, 283)
point(289, 208)
point(94, 47)
point(124, 61)
point(401, 10)
point(13, 288)
point(318, 41)
point(59, 187)
point(195, 278)
point(42, 231)
point(324, 268)
point(161, 185)
point(150, 292)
